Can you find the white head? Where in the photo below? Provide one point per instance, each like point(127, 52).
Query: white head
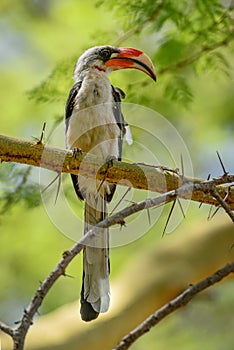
point(107, 58)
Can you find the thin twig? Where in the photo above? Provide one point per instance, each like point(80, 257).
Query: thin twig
point(6, 329)
point(173, 305)
point(223, 204)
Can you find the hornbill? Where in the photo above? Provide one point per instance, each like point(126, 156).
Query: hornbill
point(95, 125)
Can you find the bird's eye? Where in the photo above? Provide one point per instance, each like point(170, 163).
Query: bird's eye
point(105, 54)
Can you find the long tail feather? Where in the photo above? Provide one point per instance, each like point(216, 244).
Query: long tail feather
point(95, 293)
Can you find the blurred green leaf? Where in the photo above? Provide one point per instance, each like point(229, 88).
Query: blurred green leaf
point(16, 187)
point(55, 87)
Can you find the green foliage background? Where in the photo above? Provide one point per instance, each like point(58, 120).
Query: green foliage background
point(191, 44)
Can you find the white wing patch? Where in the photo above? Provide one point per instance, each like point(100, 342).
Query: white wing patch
point(128, 135)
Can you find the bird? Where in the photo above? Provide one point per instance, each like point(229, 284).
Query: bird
point(94, 124)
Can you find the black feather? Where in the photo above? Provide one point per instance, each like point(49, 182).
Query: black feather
point(86, 310)
point(68, 112)
point(71, 102)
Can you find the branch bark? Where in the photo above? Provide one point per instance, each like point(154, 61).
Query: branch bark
point(142, 176)
point(181, 300)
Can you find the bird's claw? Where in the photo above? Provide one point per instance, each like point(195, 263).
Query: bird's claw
point(107, 165)
point(110, 161)
point(76, 151)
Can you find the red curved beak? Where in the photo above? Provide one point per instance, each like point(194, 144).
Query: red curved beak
point(132, 58)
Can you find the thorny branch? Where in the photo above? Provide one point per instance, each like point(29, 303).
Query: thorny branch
point(19, 333)
point(142, 176)
point(173, 305)
point(223, 203)
point(210, 191)
point(6, 329)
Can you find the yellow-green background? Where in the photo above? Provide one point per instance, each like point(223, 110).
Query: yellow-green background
point(35, 36)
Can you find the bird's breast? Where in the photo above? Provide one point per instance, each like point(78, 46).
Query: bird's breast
point(92, 126)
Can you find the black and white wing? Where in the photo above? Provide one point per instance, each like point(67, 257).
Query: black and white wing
point(68, 113)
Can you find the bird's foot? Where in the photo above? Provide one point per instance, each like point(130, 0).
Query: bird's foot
point(103, 170)
point(107, 165)
point(76, 151)
point(110, 161)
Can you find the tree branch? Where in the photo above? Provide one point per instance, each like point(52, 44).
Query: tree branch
point(147, 176)
point(173, 305)
point(142, 176)
point(223, 204)
point(20, 332)
point(6, 329)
